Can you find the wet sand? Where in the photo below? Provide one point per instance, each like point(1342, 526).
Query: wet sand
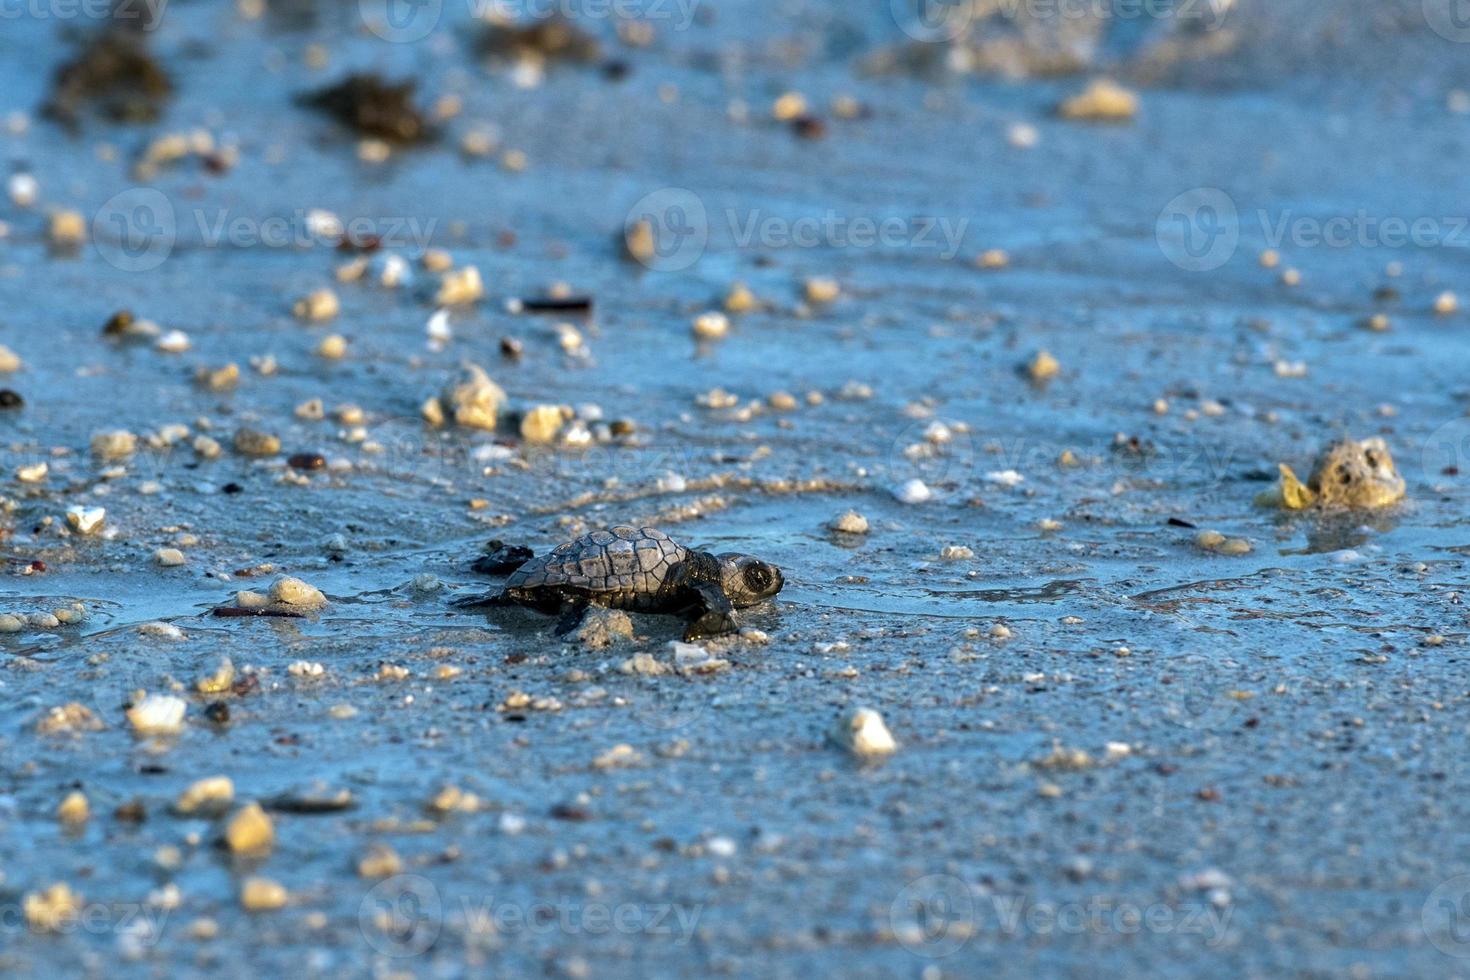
point(1117, 751)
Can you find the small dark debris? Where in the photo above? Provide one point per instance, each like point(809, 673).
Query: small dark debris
point(131, 811)
point(231, 487)
point(1181, 522)
point(570, 811)
point(217, 712)
point(511, 348)
point(307, 461)
point(241, 611)
point(809, 127)
point(311, 799)
point(118, 324)
point(555, 304)
point(113, 71)
point(371, 106)
point(9, 398)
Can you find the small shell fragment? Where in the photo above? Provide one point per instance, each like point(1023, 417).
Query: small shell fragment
point(863, 732)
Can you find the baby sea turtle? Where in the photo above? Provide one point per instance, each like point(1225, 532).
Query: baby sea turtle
point(640, 569)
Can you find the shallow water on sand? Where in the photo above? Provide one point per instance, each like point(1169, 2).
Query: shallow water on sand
point(1273, 765)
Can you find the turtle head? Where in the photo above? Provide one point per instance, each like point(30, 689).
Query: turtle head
point(747, 580)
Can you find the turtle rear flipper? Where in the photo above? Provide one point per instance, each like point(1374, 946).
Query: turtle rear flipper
point(710, 613)
point(571, 618)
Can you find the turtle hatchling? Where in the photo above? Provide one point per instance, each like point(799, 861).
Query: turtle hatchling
point(640, 569)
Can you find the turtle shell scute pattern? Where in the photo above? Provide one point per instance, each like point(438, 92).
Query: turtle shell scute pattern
point(623, 564)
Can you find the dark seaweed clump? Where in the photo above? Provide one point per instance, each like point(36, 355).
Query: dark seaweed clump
point(114, 73)
point(548, 39)
point(371, 106)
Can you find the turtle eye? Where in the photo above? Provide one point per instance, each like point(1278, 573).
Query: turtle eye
point(757, 578)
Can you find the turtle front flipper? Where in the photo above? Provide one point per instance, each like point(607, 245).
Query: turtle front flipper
point(483, 601)
point(710, 613)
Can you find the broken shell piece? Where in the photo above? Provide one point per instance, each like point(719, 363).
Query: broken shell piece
point(332, 347)
point(74, 809)
point(262, 895)
point(1043, 367)
point(850, 522)
point(822, 290)
point(1102, 101)
point(472, 400)
point(863, 732)
point(740, 299)
point(250, 831)
point(460, 286)
point(295, 594)
point(318, 306)
point(210, 796)
point(158, 714)
point(253, 442)
point(114, 444)
point(86, 520)
point(52, 910)
point(542, 423)
point(711, 326)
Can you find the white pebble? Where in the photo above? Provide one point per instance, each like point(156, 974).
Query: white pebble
point(158, 714)
point(914, 491)
point(1005, 478)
